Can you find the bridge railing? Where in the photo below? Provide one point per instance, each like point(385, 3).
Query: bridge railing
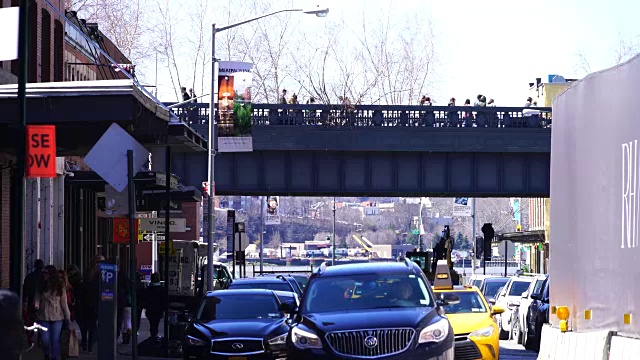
point(380, 115)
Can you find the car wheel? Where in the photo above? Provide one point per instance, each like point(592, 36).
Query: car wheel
point(503, 335)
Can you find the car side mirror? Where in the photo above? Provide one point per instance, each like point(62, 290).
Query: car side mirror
point(495, 310)
point(525, 294)
point(448, 299)
point(535, 296)
point(288, 308)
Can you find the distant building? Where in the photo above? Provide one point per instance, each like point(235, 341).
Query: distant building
point(370, 208)
point(544, 93)
point(539, 220)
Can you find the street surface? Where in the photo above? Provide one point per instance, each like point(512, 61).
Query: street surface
point(510, 350)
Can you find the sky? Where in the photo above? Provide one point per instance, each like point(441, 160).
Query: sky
point(495, 47)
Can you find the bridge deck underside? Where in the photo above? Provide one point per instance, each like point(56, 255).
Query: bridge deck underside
point(350, 173)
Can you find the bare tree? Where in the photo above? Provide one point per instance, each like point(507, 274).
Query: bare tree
point(122, 21)
point(169, 35)
point(623, 50)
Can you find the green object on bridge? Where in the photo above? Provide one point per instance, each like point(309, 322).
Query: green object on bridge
point(415, 232)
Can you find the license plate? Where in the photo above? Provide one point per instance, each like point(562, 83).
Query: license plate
point(237, 358)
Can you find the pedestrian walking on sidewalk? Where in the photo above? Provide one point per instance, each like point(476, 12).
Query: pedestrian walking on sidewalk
point(90, 298)
point(155, 304)
point(11, 326)
point(53, 311)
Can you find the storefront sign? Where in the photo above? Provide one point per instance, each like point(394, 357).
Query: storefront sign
point(41, 151)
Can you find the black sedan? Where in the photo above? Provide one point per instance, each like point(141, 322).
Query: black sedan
point(238, 325)
point(277, 283)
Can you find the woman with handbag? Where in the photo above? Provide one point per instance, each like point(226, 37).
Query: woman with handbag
point(53, 311)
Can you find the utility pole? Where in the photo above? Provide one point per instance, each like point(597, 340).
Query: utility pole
point(473, 221)
point(212, 147)
point(262, 205)
point(16, 245)
point(333, 255)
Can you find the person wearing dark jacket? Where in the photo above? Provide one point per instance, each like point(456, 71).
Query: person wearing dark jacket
point(33, 283)
point(90, 299)
point(155, 303)
point(11, 326)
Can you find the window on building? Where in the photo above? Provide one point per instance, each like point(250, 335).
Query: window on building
point(33, 42)
point(45, 47)
point(58, 51)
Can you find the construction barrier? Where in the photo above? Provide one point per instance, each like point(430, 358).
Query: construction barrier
point(624, 348)
point(573, 345)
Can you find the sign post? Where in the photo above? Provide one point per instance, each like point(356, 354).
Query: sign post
point(231, 231)
point(133, 241)
point(107, 311)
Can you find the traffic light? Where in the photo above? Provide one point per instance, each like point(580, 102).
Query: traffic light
point(479, 250)
point(518, 228)
point(489, 233)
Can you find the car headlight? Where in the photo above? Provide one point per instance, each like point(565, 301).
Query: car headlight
point(435, 332)
point(193, 341)
point(485, 332)
point(278, 340)
point(304, 339)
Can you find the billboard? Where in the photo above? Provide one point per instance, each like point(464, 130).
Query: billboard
point(271, 214)
point(234, 106)
point(462, 207)
point(594, 247)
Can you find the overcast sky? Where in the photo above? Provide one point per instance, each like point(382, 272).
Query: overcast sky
point(494, 47)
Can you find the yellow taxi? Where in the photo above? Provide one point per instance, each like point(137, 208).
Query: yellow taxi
point(476, 332)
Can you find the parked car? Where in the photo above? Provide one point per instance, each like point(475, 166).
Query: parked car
point(278, 283)
point(243, 324)
point(537, 316)
point(508, 299)
point(300, 278)
point(519, 314)
point(490, 287)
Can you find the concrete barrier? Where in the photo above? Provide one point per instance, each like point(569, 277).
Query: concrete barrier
point(624, 348)
point(573, 345)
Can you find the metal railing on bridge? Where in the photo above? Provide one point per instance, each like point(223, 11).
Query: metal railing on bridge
point(380, 116)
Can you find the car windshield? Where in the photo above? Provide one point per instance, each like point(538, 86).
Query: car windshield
point(470, 302)
point(277, 286)
point(538, 286)
point(476, 283)
point(367, 291)
point(492, 286)
point(238, 307)
point(302, 281)
point(518, 287)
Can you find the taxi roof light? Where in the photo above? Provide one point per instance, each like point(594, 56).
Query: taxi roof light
point(442, 279)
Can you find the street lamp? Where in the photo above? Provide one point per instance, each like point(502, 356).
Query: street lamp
point(212, 144)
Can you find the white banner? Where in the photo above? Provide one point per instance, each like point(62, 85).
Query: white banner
point(462, 207)
point(271, 213)
point(9, 28)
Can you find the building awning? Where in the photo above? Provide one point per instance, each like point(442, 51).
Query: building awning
point(522, 237)
point(83, 110)
point(148, 180)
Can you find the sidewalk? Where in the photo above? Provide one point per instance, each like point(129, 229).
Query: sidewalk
point(123, 351)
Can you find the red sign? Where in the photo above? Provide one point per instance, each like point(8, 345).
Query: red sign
point(121, 231)
point(41, 151)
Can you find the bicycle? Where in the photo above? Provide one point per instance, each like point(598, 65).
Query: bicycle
point(34, 328)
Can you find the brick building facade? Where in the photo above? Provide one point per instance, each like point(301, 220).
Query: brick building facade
point(54, 49)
